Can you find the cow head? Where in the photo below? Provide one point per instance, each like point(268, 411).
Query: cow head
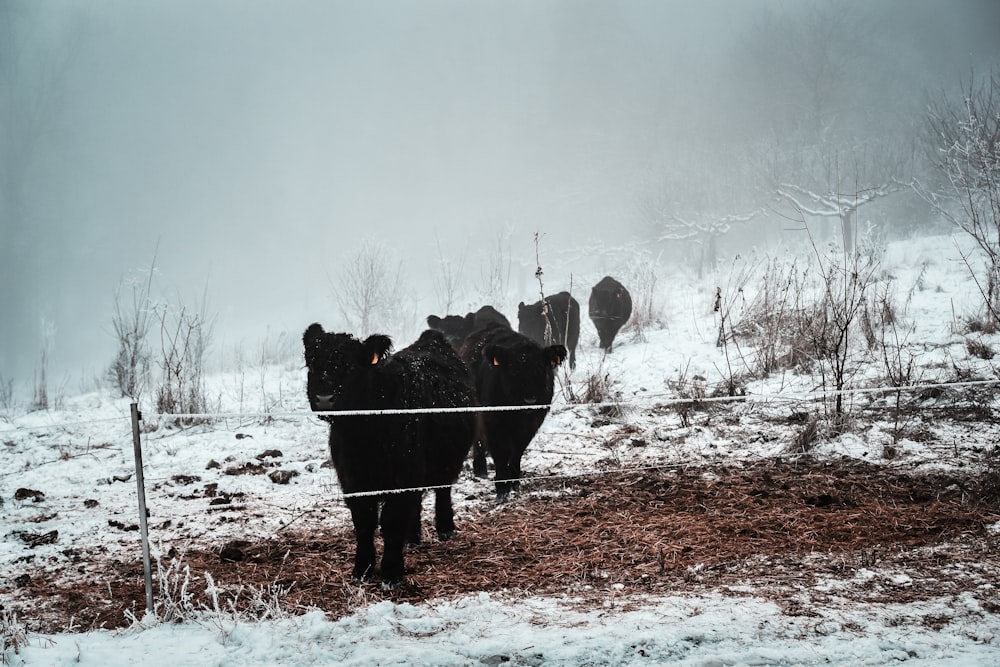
point(454, 327)
point(335, 361)
point(522, 371)
point(531, 320)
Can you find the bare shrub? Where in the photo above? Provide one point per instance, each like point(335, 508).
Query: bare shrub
point(988, 486)
point(980, 349)
point(846, 280)
point(13, 635)
point(804, 440)
point(40, 385)
point(980, 324)
point(695, 389)
point(7, 402)
point(806, 318)
point(131, 321)
point(178, 599)
point(185, 336)
point(776, 320)
point(889, 339)
point(598, 387)
point(642, 281)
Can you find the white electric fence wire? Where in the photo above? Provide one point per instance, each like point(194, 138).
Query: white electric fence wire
point(654, 401)
point(661, 402)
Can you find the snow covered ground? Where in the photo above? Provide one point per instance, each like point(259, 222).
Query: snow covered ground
point(67, 485)
point(706, 631)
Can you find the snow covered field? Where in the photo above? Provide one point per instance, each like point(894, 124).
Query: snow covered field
point(68, 493)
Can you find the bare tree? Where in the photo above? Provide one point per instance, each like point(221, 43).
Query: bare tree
point(494, 278)
point(835, 205)
point(448, 280)
point(369, 289)
point(704, 229)
point(702, 202)
point(963, 141)
point(131, 320)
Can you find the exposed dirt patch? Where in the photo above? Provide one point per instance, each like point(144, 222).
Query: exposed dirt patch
point(795, 531)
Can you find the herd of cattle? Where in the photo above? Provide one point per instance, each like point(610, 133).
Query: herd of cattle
point(385, 460)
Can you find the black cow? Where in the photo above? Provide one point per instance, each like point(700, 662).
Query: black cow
point(457, 328)
point(509, 369)
point(563, 313)
point(610, 307)
point(388, 452)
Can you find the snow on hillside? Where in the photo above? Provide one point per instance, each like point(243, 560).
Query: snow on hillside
point(68, 482)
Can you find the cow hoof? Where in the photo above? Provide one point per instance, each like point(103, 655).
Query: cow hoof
point(392, 584)
point(446, 535)
point(362, 574)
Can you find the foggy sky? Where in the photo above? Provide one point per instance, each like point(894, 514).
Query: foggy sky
point(252, 145)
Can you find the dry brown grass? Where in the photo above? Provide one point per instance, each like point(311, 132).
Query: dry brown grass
point(778, 526)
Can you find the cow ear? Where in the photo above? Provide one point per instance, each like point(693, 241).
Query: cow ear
point(433, 321)
point(494, 355)
point(555, 355)
point(376, 348)
point(313, 334)
point(311, 340)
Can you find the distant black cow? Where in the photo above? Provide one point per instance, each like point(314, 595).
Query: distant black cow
point(456, 327)
point(386, 452)
point(563, 313)
point(610, 307)
point(509, 369)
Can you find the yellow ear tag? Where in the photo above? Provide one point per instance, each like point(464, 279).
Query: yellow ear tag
point(374, 358)
point(496, 362)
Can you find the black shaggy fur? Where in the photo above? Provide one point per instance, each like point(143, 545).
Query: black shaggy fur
point(509, 369)
point(457, 328)
point(610, 307)
point(563, 313)
point(386, 452)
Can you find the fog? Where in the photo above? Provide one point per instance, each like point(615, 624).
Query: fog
point(250, 147)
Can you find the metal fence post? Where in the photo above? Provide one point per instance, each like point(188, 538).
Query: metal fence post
point(143, 526)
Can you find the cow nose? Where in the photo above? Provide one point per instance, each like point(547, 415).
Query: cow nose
point(324, 402)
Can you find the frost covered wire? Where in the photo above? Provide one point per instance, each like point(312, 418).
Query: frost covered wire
point(538, 478)
point(58, 425)
point(660, 402)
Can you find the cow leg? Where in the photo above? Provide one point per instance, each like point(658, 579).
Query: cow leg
point(479, 468)
point(504, 478)
point(364, 513)
point(414, 530)
point(515, 474)
point(444, 514)
point(397, 518)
